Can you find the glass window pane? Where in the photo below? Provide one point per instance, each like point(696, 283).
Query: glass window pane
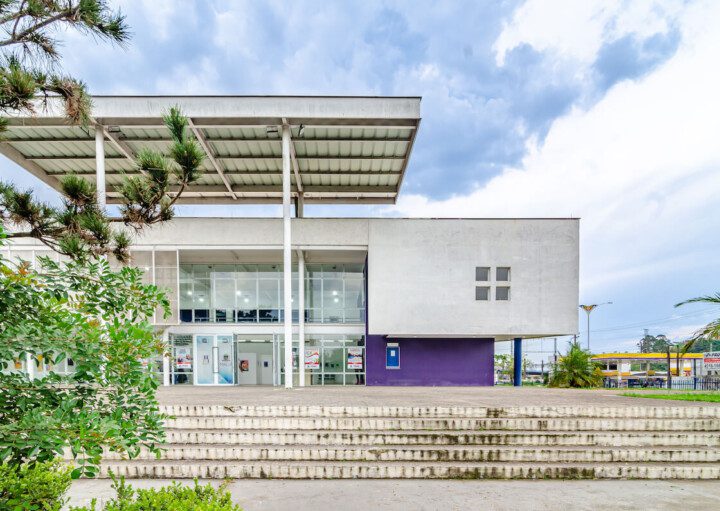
point(314, 270)
point(186, 295)
point(333, 293)
point(503, 274)
point(313, 293)
point(482, 273)
point(224, 294)
point(223, 271)
point(313, 315)
point(354, 270)
point(201, 294)
point(269, 270)
point(201, 271)
point(482, 293)
point(354, 293)
point(268, 294)
point(502, 293)
point(332, 270)
point(332, 315)
point(246, 271)
point(246, 290)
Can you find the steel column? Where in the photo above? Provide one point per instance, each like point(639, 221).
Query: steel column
point(301, 318)
point(517, 362)
point(100, 165)
point(287, 256)
point(166, 358)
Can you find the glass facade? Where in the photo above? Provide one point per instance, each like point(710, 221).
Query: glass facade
point(259, 360)
point(253, 293)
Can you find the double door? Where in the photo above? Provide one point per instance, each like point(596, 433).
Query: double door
point(215, 360)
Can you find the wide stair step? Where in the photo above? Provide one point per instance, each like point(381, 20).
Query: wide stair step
point(318, 442)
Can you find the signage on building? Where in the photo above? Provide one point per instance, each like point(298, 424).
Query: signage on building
point(355, 358)
point(711, 360)
point(312, 358)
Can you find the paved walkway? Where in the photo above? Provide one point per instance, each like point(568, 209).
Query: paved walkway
point(254, 495)
point(407, 396)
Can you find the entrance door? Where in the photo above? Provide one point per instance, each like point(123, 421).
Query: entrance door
point(254, 360)
point(215, 360)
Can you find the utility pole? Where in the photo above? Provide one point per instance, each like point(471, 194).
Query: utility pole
point(588, 309)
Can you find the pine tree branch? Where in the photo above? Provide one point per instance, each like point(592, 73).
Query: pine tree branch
point(22, 36)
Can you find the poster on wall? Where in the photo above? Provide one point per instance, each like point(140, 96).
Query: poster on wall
point(183, 358)
point(244, 366)
point(312, 358)
point(354, 358)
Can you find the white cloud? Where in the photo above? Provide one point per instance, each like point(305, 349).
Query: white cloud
point(640, 167)
point(577, 29)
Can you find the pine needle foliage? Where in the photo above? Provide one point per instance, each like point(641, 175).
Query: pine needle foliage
point(576, 369)
point(80, 228)
point(30, 52)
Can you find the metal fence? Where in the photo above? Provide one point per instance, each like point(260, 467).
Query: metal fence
point(678, 383)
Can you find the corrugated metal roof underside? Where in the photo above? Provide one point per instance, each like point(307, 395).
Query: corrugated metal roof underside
point(335, 163)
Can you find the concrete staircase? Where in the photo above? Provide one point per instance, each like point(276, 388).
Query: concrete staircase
point(315, 442)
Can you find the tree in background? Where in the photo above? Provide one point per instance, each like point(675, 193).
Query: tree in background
point(653, 344)
point(708, 333)
point(99, 319)
point(576, 369)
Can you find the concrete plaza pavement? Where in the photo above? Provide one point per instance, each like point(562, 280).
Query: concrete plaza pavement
point(271, 495)
point(500, 396)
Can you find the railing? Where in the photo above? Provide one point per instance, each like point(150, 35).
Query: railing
point(677, 383)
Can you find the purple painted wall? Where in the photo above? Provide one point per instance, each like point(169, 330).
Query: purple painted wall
point(432, 361)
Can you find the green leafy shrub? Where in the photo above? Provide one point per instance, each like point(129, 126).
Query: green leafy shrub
point(38, 486)
point(576, 370)
point(175, 497)
point(98, 318)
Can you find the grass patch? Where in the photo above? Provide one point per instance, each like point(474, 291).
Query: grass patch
point(709, 397)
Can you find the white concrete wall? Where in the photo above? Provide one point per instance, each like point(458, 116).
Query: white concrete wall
point(257, 232)
point(421, 271)
point(422, 277)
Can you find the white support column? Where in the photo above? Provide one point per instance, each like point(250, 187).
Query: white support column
point(100, 165)
point(166, 357)
point(287, 256)
point(301, 317)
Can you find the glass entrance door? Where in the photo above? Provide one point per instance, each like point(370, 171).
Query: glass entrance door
point(215, 359)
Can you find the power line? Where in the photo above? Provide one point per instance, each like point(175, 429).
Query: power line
point(653, 322)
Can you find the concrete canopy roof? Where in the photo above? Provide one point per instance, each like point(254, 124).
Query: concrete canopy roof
point(347, 150)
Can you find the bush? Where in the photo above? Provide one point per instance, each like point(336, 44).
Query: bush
point(38, 486)
point(175, 497)
point(576, 370)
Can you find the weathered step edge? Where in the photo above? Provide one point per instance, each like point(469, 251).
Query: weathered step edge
point(443, 424)
point(628, 412)
point(370, 438)
point(428, 454)
point(404, 471)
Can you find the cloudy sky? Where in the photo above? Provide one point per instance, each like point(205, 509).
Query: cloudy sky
point(605, 111)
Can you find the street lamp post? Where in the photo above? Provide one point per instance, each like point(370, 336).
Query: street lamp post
point(588, 309)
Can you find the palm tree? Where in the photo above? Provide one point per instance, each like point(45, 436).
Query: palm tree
point(709, 331)
point(576, 369)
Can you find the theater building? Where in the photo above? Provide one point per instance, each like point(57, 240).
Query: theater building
point(362, 301)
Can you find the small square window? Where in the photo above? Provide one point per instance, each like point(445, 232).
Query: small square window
point(482, 273)
point(482, 293)
point(502, 274)
point(502, 293)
